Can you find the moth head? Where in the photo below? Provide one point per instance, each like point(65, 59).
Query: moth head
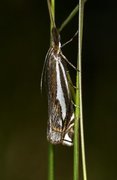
point(55, 38)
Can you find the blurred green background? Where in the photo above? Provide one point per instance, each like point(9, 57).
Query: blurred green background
point(24, 41)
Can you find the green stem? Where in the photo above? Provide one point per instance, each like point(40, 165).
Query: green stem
point(72, 14)
point(76, 129)
point(79, 111)
point(81, 13)
point(76, 132)
point(71, 86)
point(70, 17)
point(50, 146)
point(50, 162)
point(76, 125)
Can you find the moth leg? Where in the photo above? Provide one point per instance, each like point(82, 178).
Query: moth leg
point(70, 81)
point(70, 39)
point(73, 85)
point(69, 62)
point(75, 104)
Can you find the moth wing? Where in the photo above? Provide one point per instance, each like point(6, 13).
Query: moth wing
point(60, 107)
point(44, 68)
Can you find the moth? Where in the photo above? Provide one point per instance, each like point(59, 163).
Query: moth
point(60, 126)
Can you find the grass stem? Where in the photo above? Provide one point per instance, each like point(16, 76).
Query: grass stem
point(81, 14)
point(79, 111)
point(70, 17)
point(50, 162)
point(50, 146)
